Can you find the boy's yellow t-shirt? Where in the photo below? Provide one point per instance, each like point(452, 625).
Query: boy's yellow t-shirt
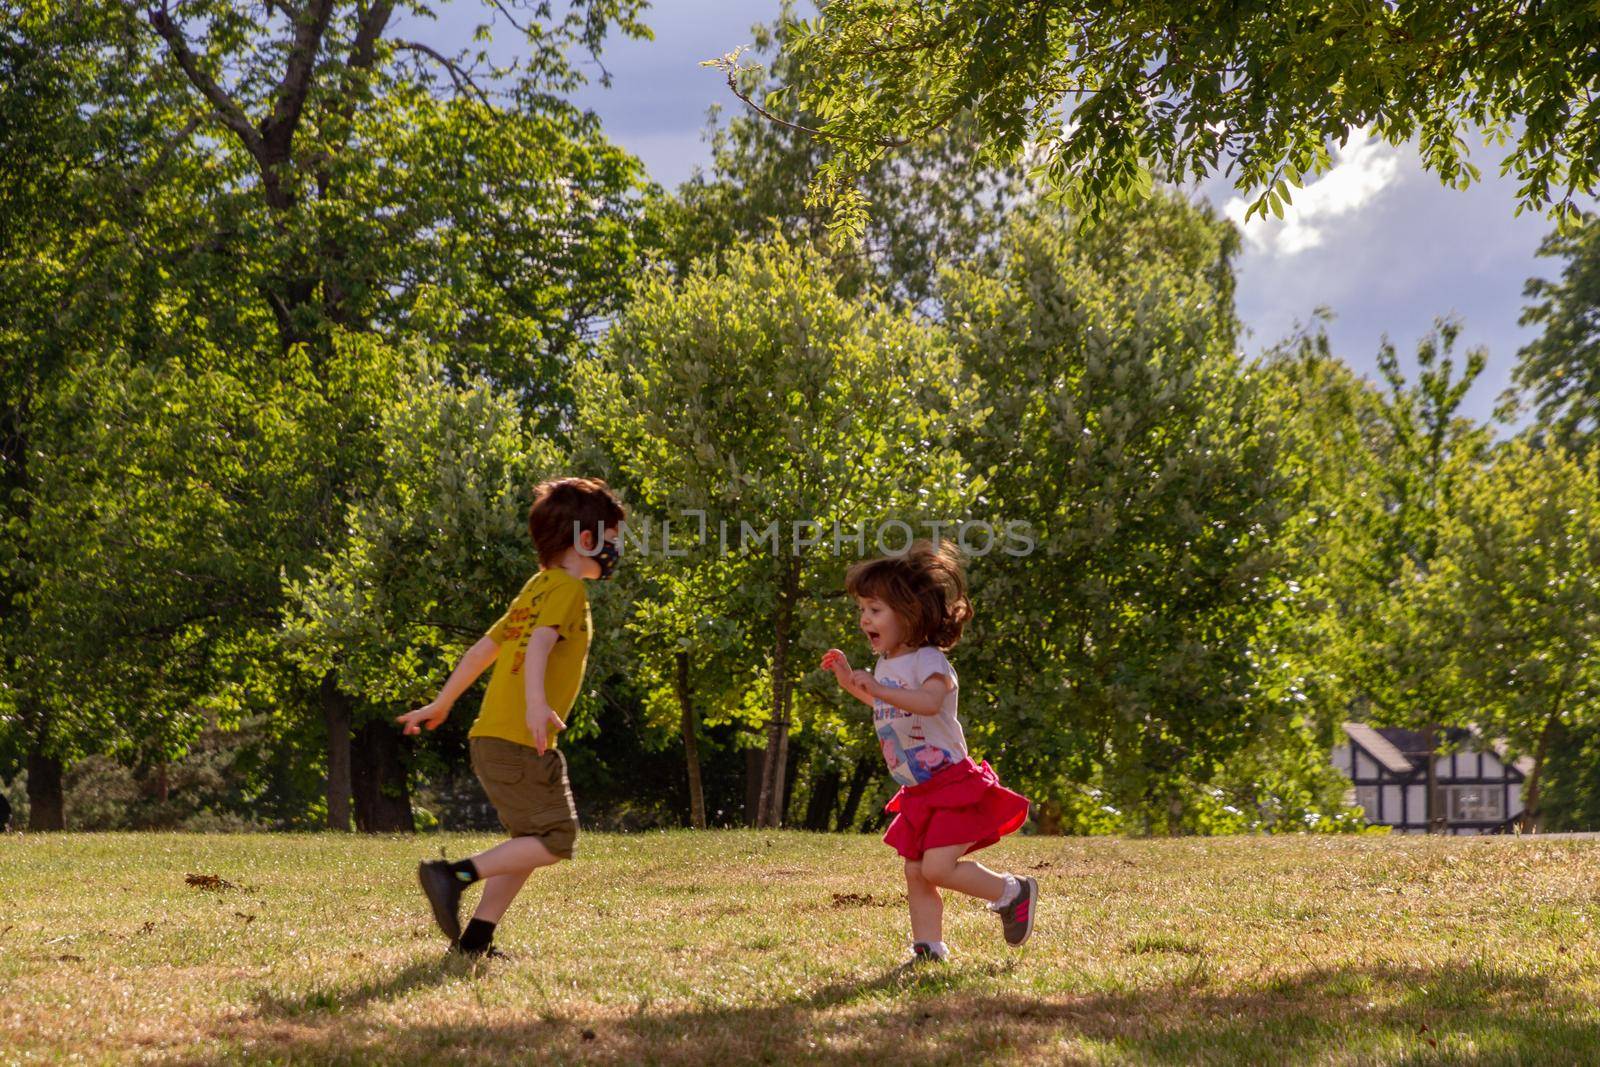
point(551, 598)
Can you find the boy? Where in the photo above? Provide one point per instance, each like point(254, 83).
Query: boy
point(538, 648)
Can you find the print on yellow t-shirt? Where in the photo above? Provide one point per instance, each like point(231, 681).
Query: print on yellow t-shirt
point(551, 598)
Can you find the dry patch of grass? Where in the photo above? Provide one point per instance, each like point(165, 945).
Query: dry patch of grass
point(751, 947)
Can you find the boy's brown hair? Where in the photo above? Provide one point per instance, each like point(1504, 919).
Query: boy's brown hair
point(564, 507)
point(925, 588)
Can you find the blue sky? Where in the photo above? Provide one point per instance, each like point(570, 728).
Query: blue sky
point(1381, 243)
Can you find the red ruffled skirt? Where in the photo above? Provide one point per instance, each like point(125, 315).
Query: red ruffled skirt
point(963, 802)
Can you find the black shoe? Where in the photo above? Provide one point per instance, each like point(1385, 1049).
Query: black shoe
point(1016, 918)
point(443, 890)
point(487, 952)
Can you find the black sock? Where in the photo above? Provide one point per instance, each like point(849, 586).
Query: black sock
point(465, 870)
point(477, 936)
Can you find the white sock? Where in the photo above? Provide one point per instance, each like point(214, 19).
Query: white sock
point(1008, 894)
point(938, 949)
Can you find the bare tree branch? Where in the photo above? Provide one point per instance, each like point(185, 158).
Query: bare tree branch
point(278, 130)
point(458, 75)
point(501, 7)
point(364, 50)
point(732, 71)
point(228, 109)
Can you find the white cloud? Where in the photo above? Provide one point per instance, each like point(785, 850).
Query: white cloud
point(1363, 167)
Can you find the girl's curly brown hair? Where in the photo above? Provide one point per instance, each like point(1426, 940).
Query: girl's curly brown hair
point(925, 588)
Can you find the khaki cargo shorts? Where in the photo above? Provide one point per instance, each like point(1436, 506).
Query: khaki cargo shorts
point(529, 792)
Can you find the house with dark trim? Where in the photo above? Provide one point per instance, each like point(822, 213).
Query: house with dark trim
point(1479, 789)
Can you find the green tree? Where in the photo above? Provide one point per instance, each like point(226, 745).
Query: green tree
point(97, 205)
point(761, 398)
point(434, 543)
point(252, 192)
point(1103, 95)
point(690, 654)
point(1119, 424)
point(1424, 450)
point(1377, 470)
point(372, 155)
point(1328, 422)
point(936, 204)
point(1560, 369)
point(1512, 607)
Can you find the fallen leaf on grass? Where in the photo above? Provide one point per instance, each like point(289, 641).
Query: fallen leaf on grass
point(149, 924)
point(67, 957)
point(859, 900)
point(248, 919)
point(209, 881)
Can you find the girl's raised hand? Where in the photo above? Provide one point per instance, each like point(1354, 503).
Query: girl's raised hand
point(836, 661)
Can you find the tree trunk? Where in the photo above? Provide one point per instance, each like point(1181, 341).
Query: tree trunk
point(691, 745)
point(378, 775)
point(824, 797)
point(755, 765)
point(1531, 815)
point(791, 771)
point(336, 716)
point(860, 778)
point(46, 807)
point(773, 794)
point(1438, 819)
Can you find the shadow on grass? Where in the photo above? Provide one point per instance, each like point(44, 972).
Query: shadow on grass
point(1382, 1013)
point(381, 988)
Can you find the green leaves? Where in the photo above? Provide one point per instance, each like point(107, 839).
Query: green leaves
point(432, 543)
point(1514, 602)
point(758, 395)
point(1105, 95)
point(1559, 371)
point(1123, 429)
point(286, 325)
point(891, 227)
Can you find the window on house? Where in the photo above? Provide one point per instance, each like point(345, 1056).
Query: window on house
point(1367, 799)
point(1475, 803)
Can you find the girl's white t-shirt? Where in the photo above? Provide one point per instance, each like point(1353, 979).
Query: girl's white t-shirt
point(917, 747)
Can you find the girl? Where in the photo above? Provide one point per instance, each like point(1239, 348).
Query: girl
point(912, 608)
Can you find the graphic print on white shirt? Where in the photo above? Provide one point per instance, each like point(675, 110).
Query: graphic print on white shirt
point(916, 747)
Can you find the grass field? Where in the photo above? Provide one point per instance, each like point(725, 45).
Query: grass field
point(751, 947)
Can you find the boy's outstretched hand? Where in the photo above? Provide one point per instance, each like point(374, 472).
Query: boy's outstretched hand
point(430, 716)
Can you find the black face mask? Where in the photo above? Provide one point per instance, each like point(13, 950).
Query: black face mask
point(607, 557)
